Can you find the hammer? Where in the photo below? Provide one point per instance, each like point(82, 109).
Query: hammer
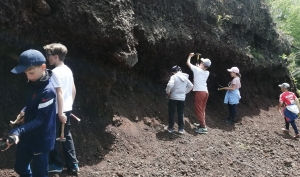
point(18, 119)
point(62, 135)
point(221, 87)
point(198, 58)
point(75, 117)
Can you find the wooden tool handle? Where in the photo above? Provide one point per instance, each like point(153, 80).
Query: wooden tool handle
point(62, 134)
point(198, 58)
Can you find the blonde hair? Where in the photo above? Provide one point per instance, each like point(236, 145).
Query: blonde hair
point(57, 49)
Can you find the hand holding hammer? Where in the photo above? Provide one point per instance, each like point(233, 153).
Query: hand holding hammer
point(63, 119)
point(198, 58)
point(221, 87)
point(19, 119)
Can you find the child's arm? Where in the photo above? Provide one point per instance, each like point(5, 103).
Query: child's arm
point(297, 102)
point(231, 87)
point(73, 91)
point(189, 87)
point(57, 83)
point(279, 107)
point(188, 62)
point(47, 101)
point(170, 85)
point(60, 103)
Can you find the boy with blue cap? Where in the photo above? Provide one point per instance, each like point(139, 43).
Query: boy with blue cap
point(35, 138)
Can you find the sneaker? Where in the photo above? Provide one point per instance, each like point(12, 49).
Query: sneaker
point(197, 125)
point(297, 136)
point(170, 130)
point(181, 131)
point(201, 130)
point(73, 170)
point(53, 168)
point(229, 121)
point(285, 130)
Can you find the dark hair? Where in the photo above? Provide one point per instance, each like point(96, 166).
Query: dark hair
point(176, 68)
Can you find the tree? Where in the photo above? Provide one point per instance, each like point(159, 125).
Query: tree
point(286, 14)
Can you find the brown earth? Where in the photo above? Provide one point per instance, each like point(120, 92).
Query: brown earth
point(135, 143)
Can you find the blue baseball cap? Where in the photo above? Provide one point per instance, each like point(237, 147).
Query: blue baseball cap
point(29, 58)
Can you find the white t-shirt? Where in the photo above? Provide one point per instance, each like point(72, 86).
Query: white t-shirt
point(62, 76)
point(200, 78)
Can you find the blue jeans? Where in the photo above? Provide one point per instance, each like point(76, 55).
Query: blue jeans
point(173, 104)
point(287, 126)
point(31, 164)
point(232, 111)
point(68, 146)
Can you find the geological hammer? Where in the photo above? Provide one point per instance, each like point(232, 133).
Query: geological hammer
point(62, 134)
point(198, 58)
point(75, 117)
point(221, 87)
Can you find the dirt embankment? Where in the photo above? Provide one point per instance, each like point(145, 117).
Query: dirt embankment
point(121, 53)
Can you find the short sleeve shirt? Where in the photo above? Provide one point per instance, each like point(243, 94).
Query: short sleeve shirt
point(200, 78)
point(62, 77)
point(288, 98)
point(237, 82)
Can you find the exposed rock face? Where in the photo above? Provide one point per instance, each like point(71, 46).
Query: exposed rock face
point(113, 43)
point(121, 52)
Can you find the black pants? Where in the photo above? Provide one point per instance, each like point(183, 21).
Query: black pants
point(232, 111)
point(172, 107)
point(68, 146)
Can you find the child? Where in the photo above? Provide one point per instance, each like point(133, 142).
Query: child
point(233, 96)
point(200, 88)
point(291, 108)
point(179, 85)
point(37, 134)
point(63, 82)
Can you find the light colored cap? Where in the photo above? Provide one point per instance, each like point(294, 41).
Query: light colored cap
point(206, 62)
point(284, 85)
point(234, 69)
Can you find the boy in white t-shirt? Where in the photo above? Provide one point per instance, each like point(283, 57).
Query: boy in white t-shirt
point(62, 79)
point(200, 89)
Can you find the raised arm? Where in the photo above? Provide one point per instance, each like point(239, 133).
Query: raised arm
point(188, 62)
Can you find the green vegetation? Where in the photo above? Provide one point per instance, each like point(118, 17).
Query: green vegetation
point(257, 54)
point(223, 17)
point(287, 17)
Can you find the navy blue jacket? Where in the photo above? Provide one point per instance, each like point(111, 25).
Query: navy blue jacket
point(38, 130)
